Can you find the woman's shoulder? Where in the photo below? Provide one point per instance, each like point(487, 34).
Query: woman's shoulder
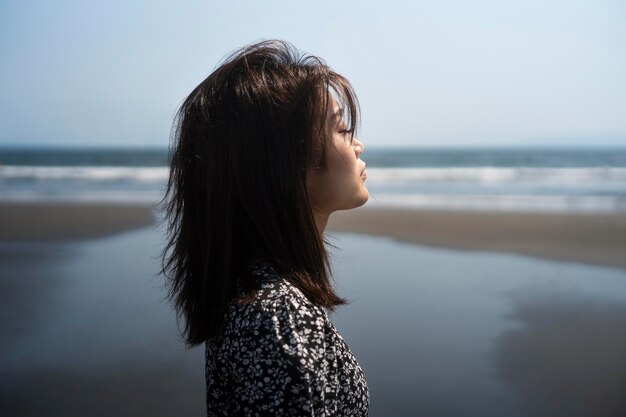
point(276, 300)
point(281, 326)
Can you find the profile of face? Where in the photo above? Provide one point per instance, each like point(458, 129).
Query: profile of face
point(341, 186)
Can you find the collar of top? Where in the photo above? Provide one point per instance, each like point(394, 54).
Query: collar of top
point(264, 271)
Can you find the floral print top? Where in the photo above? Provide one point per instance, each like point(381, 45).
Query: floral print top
point(280, 355)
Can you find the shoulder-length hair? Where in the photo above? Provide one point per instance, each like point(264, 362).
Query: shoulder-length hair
point(243, 142)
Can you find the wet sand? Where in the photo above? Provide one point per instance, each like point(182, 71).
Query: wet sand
point(445, 333)
point(86, 331)
point(598, 239)
point(568, 357)
point(452, 333)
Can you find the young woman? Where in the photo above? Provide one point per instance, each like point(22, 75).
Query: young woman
point(264, 151)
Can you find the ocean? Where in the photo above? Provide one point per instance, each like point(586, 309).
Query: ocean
point(562, 180)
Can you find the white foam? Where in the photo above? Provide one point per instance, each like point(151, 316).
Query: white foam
point(477, 175)
point(495, 175)
point(141, 174)
point(556, 203)
point(563, 189)
point(141, 197)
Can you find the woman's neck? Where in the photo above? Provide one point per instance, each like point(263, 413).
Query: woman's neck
point(321, 220)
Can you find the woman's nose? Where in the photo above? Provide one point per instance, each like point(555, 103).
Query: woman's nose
point(359, 147)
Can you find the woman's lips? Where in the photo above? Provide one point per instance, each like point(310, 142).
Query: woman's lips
point(363, 174)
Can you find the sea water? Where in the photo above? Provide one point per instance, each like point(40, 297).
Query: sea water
point(466, 178)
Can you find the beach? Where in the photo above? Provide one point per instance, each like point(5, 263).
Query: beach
point(593, 238)
point(450, 313)
point(44, 220)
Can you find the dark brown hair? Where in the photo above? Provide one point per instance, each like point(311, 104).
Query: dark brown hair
point(242, 144)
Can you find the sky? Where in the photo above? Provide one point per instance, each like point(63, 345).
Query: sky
point(427, 73)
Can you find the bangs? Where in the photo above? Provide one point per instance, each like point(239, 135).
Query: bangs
point(336, 86)
point(341, 90)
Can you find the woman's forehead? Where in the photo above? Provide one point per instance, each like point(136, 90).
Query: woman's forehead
point(336, 111)
point(334, 104)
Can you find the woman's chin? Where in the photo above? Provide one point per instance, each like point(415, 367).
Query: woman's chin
point(363, 198)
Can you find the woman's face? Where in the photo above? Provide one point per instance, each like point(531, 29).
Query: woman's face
point(341, 186)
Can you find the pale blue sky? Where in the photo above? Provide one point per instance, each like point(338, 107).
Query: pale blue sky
point(427, 73)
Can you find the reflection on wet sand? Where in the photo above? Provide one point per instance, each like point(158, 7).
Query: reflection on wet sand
point(135, 387)
point(89, 332)
point(568, 358)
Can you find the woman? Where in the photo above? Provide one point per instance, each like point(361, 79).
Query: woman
point(264, 151)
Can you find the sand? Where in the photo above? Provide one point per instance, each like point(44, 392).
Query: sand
point(598, 239)
point(45, 221)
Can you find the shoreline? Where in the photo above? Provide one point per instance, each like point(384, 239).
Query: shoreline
point(54, 221)
point(589, 238)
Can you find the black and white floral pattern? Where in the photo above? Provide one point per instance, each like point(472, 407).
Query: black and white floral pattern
point(280, 355)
